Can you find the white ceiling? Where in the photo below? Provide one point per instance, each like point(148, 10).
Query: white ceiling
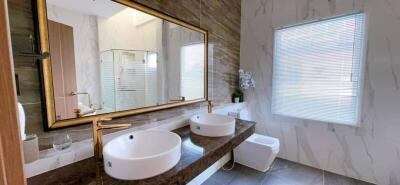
point(103, 8)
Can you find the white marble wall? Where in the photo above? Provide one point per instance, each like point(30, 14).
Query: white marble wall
point(370, 152)
point(124, 30)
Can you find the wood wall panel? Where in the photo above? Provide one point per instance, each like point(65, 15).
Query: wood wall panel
point(69, 69)
point(61, 39)
point(56, 67)
point(11, 165)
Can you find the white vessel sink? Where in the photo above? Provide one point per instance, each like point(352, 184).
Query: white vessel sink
point(212, 125)
point(142, 154)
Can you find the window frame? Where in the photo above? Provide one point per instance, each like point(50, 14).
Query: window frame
point(363, 60)
point(181, 63)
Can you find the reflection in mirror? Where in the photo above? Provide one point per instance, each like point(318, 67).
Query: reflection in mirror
point(106, 57)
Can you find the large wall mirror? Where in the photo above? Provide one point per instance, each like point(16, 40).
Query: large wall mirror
point(117, 58)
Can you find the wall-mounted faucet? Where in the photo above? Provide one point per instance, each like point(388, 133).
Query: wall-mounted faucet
point(210, 106)
point(84, 93)
point(180, 98)
point(98, 128)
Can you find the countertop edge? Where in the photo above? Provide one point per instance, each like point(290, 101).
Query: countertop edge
point(87, 171)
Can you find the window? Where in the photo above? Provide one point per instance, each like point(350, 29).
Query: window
point(192, 71)
point(317, 70)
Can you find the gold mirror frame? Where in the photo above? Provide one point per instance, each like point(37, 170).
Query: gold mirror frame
point(47, 77)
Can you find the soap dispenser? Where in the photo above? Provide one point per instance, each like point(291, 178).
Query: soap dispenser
point(30, 143)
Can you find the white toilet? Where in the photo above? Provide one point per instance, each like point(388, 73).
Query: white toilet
point(257, 152)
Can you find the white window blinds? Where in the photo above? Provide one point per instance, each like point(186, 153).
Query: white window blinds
point(317, 70)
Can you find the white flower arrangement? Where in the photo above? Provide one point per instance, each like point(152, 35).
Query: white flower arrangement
point(246, 80)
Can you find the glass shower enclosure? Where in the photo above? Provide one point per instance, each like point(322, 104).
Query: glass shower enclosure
point(128, 79)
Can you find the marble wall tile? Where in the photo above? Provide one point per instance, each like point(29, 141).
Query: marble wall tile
point(221, 20)
point(22, 28)
point(368, 152)
point(21, 25)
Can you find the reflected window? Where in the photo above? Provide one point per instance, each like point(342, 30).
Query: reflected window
point(192, 71)
point(152, 60)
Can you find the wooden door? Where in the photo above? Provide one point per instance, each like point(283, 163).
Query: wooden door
point(11, 160)
point(61, 38)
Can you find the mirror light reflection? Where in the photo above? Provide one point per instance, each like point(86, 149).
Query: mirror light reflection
point(116, 58)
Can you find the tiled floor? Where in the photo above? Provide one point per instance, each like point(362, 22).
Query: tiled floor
point(283, 172)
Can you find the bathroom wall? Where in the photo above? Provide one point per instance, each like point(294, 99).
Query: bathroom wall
point(176, 38)
point(86, 50)
point(115, 32)
point(370, 152)
point(22, 27)
point(220, 18)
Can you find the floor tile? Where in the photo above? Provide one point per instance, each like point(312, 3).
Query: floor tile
point(247, 176)
point(334, 179)
point(222, 177)
point(211, 181)
point(282, 172)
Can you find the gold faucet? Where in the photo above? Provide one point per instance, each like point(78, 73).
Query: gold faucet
point(210, 106)
point(98, 128)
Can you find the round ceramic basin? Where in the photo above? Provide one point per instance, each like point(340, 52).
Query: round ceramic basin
point(142, 154)
point(212, 125)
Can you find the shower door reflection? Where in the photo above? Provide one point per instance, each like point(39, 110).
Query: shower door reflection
point(129, 79)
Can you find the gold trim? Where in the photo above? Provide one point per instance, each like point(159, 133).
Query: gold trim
point(52, 123)
point(46, 63)
point(158, 14)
